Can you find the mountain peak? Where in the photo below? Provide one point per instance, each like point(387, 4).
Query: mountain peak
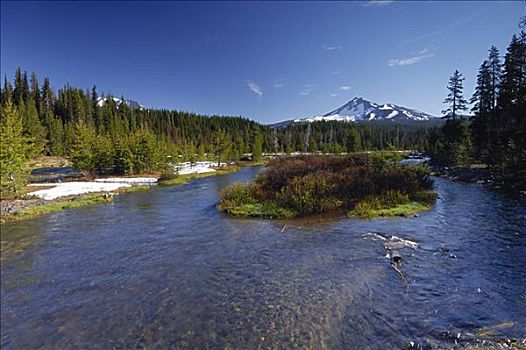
point(360, 109)
point(131, 103)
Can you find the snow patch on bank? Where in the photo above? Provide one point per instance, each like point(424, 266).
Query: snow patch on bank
point(64, 189)
point(129, 180)
point(187, 168)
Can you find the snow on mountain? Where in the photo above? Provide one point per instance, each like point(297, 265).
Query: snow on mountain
point(131, 103)
point(359, 109)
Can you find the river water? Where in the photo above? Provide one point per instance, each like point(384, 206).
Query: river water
point(164, 269)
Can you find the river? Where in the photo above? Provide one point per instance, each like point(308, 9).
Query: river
point(164, 269)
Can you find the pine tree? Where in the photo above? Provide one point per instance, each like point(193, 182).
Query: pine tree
point(83, 147)
point(7, 95)
point(201, 151)
point(47, 98)
point(455, 98)
point(483, 97)
point(14, 151)
point(354, 141)
point(18, 91)
point(257, 151)
point(31, 126)
point(104, 155)
point(482, 101)
point(513, 82)
point(26, 94)
point(56, 136)
point(35, 91)
point(95, 107)
point(495, 71)
point(511, 108)
point(221, 145)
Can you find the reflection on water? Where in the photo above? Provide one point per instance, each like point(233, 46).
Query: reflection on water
point(164, 269)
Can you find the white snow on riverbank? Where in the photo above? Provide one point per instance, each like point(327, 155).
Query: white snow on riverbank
point(129, 180)
point(195, 168)
point(62, 189)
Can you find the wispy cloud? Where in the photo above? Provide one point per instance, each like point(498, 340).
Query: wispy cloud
point(307, 89)
point(254, 88)
point(345, 87)
point(332, 47)
point(377, 3)
point(335, 72)
point(333, 94)
point(279, 83)
point(414, 59)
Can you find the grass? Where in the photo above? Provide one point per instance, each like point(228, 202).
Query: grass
point(55, 206)
point(404, 210)
point(260, 210)
point(394, 204)
point(184, 179)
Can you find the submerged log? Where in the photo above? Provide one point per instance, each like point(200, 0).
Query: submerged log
point(396, 257)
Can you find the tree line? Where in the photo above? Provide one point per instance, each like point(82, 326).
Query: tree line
point(495, 132)
point(105, 135)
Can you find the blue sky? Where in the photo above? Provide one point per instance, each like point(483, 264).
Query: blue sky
point(268, 61)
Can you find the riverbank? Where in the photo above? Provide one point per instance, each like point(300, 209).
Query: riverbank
point(22, 209)
point(179, 180)
point(53, 197)
point(480, 174)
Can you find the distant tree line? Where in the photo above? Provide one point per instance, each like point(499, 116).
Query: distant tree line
point(104, 135)
point(495, 133)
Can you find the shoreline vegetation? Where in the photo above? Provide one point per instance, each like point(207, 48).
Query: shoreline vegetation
point(362, 185)
point(29, 206)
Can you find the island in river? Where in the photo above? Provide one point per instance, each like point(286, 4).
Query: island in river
point(363, 185)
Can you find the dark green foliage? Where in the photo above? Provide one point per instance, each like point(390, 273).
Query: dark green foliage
point(452, 144)
point(497, 133)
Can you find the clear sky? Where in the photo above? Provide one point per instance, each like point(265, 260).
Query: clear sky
point(268, 61)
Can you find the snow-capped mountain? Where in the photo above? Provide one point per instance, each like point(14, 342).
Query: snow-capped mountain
point(359, 109)
point(131, 103)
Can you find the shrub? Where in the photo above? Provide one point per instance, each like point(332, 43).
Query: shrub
point(236, 195)
point(394, 198)
point(316, 184)
point(312, 193)
point(428, 197)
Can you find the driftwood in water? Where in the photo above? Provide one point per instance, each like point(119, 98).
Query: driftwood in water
point(396, 257)
point(396, 261)
point(396, 267)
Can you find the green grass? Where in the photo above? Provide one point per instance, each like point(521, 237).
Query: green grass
point(55, 206)
point(394, 203)
point(404, 210)
point(260, 210)
point(184, 179)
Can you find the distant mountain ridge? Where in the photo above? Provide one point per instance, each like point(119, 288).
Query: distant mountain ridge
point(131, 103)
point(361, 110)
